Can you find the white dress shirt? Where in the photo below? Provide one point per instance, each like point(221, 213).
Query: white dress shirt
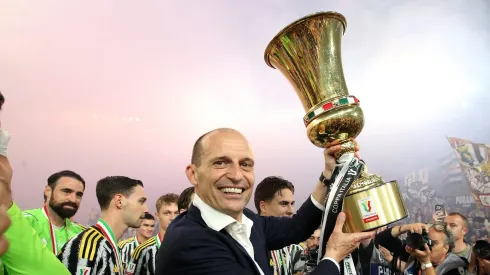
point(240, 231)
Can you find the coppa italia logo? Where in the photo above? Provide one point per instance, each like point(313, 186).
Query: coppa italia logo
point(84, 271)
point(367, 206)
point(368, 210)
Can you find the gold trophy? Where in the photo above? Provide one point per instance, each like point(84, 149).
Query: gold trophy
point(308, 53)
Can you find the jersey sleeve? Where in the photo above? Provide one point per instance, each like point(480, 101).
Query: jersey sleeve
point(30, 215)
point(26, 253)
point(33, 221)
point(85, 255)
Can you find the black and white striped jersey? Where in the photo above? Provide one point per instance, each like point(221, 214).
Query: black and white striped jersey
point(284, 261)
point(90, 253)
point(143, 258)
point(127, 248)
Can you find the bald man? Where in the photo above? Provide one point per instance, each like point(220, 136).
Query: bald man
point(222, 236)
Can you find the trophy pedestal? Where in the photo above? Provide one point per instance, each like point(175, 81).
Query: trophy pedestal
point(372, 203)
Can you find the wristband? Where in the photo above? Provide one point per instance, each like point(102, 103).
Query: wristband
point(325, 181)
point(425, 266)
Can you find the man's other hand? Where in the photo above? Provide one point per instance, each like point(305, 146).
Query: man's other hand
point(340, 244)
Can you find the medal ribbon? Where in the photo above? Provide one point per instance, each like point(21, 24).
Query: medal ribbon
point(54, 243)
point(348, 169)
point(109, 235)
point(159, 240)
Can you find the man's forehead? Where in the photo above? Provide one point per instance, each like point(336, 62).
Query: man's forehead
point(138, 192)
point(453, 219)
point(169, 206)
point(284, 195)
point(225, 144)
point(67, 182)
point(434, 234)
point(286, 192)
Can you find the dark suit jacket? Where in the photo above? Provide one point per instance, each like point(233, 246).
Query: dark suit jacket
point(191, 247)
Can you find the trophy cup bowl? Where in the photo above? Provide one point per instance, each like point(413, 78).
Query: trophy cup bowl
point(308, 53)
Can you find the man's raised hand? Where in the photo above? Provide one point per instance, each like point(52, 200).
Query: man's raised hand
point(340, 244)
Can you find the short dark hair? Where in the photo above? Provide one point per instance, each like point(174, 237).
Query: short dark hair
point(54, 178)
point(198, 149)
point(465, 220)
point(166, 200)
point(148, 216)
point(185, 198)
point(108, 187)
point(268, 188)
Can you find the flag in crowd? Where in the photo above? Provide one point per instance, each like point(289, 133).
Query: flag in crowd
point(473, 159)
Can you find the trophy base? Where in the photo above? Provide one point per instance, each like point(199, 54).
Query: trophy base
point(372, 203)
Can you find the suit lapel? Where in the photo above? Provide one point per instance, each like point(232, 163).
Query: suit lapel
point(195, 214)
point(240, 247)
point(258, 241)
point(259, 249)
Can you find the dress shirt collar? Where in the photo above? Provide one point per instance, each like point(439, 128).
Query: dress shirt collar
point(215, 219)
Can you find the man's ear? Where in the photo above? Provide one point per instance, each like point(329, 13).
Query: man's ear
point(119, 201)
point(446, 248)
point(48, 192)
point(263, 207)
point(191, 173)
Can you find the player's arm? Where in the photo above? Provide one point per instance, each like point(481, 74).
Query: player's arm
point(30, 218)
point(80, 255)
point(26, 253)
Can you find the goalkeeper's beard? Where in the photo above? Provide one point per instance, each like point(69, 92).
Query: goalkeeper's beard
point(61, 211)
